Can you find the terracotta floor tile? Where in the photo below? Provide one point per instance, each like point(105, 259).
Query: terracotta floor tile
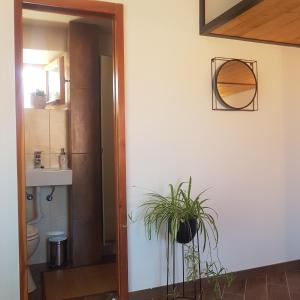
point(256, 288)
point(293, 278)
point(295, 296)
point(228, 296)
point(277, 278)
point(277, 292)
point(237, 288)
point(209, 294)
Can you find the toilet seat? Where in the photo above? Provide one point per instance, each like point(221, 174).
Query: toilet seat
point(32, 232)
point(33, 239)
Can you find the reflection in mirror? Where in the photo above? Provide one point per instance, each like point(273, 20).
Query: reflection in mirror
point(56, 80)
point(34, 84)
point(236, 84)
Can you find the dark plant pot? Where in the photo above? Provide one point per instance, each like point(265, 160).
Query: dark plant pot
point(186, 231)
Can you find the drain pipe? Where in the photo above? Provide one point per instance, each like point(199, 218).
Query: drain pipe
point(37, 206)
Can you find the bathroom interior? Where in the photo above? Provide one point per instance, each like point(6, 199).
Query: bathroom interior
point(69, 156)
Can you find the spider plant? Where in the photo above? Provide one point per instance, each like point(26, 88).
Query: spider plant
point(215, 274)
point(213, 271)
point(180, 207)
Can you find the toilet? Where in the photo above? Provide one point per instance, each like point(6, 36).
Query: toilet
point(33, 239)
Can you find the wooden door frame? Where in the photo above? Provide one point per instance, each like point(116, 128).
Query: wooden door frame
point(81, 8)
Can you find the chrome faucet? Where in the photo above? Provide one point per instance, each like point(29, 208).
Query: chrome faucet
point(37, 159)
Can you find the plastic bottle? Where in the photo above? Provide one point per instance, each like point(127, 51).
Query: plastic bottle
point(63, 160)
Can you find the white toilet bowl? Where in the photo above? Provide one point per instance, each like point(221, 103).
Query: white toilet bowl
point(33, 239)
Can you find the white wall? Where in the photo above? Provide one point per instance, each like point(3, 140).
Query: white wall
point(9, 258)
point(250, 159)
point(45, 36)
point(54, 218)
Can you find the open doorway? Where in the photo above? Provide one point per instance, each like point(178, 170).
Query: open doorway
point(71, 134)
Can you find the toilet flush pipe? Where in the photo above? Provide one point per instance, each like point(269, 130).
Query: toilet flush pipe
point(37, 206)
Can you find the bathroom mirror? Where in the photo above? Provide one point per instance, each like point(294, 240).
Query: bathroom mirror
point(235, 84)
point(55, 81)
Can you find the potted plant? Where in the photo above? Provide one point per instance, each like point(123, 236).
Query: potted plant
point(38, 99)
point(184, 216)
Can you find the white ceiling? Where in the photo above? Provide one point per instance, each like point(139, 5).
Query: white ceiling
point(36, 17)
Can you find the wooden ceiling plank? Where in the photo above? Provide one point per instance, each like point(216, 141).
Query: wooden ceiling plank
point(270, 20)
point(273, 28)
point(252, 15)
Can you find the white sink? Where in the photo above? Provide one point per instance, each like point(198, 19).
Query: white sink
point(46, 177)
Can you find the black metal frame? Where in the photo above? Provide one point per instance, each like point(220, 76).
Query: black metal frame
point(236, 10)
point(208, 28)
point(217, 102)
point(197, 292)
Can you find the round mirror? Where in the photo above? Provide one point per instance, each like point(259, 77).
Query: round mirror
point(236, 84)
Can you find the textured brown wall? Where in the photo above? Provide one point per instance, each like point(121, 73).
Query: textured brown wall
point(85, 144)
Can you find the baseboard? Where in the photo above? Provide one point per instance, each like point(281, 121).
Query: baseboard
point(160, 292)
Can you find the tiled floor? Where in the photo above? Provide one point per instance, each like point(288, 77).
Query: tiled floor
point(89, 277)
point(96, 297)
point(271, 286)
point(265, 286)
point(81, 281)
point(36, 271)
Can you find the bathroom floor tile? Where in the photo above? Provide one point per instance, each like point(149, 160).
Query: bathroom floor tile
point(74, 283)
point(36, 271)
point(94, 297)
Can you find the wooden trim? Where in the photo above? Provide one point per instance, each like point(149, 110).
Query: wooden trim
point(89, 6)
point(236, 10)
point(86, 8)
point(20, 150)
point(120, 154)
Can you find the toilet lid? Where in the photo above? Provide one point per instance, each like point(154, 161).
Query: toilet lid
point(31, 231)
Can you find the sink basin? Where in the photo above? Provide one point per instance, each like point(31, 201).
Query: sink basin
point(48, 177)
